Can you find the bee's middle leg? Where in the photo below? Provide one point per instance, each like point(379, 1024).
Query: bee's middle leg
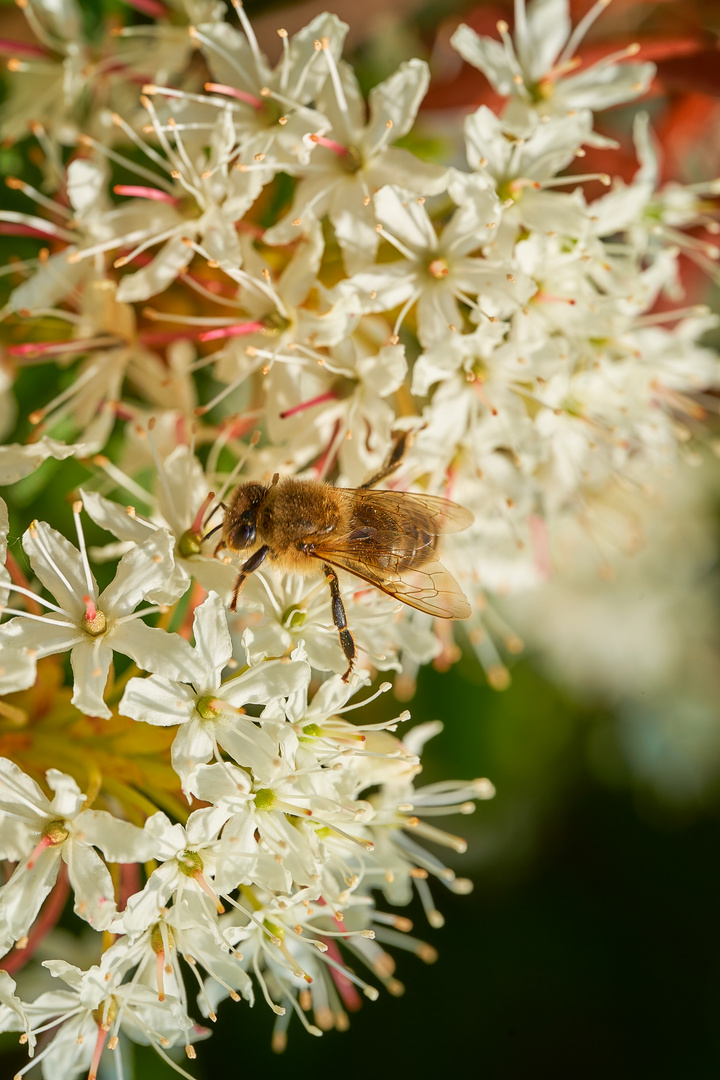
point(246, 569)
point(347, 641)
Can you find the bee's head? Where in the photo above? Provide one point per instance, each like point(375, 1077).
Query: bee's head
point(241, 519)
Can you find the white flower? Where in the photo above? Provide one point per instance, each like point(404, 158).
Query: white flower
point(91, 1013)
point(438, 272)
point(291, 947)
point(521, 161)
point(211, 712)
point(178, 504)
point(273, 107)
point(294, 610)
point(191, 859)
point(183, 931)
point(60, 830)
point(534, 68)
point(92, 626)
point(354, 159)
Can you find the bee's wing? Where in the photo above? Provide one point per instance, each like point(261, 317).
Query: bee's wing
point(390, 544)
point(410, 509)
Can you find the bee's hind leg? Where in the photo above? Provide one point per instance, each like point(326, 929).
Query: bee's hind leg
point(347, 641)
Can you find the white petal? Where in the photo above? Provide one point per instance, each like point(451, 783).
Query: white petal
point(114, 517)
point(144, 907)
point(212, 637)
point(487, 55)
point(248, 745)
point(37, 638)
point(396, 99)
point(17, 461)
point(140, 571)
point(400, 167)
point(59, 567)
point(548, 28)
point(18, 667)
point(405, 219)
point(120, 841)
point(86, 184)
point(156, 650)
point(23, 895)
point(170, 261)
point(204, 825)
point(50, 283)
point(193, 746)
point(265, 682)
point(90, 661)
point(68, 798)
point(20, 796)
point(91, 883)
point(158, 701)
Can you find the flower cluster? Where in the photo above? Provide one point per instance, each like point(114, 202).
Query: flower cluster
point(240, 272)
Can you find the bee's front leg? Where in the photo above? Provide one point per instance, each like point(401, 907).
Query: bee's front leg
point(246, 569)
point(347, 641)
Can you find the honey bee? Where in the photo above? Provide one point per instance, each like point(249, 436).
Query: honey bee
point(386, 538)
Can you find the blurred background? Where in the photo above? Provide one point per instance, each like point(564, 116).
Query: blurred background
point(590, 945)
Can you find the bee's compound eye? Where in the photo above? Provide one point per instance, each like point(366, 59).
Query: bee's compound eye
point(243, 536)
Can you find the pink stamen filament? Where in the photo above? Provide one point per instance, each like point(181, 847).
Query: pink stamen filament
point(99, 1047)
point(139, 191)
point(197, 524)
point(159, 977)
point(8, 47)
point(330, 144)
point(166, 338)
point(523, 182)
point(231, 91)
point(153, 8)
point(50, 348)
point(541, 546)
point(198, 876)
point(46, 841)
point(329, 395)
point(239, 330)
point(550, 298)
point(562, 69)
point(350, 997)
point(11, 228)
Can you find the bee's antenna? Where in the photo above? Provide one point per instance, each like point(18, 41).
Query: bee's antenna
point(212, 531)
point(254, 440)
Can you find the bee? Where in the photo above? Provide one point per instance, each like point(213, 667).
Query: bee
point(387, 538)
